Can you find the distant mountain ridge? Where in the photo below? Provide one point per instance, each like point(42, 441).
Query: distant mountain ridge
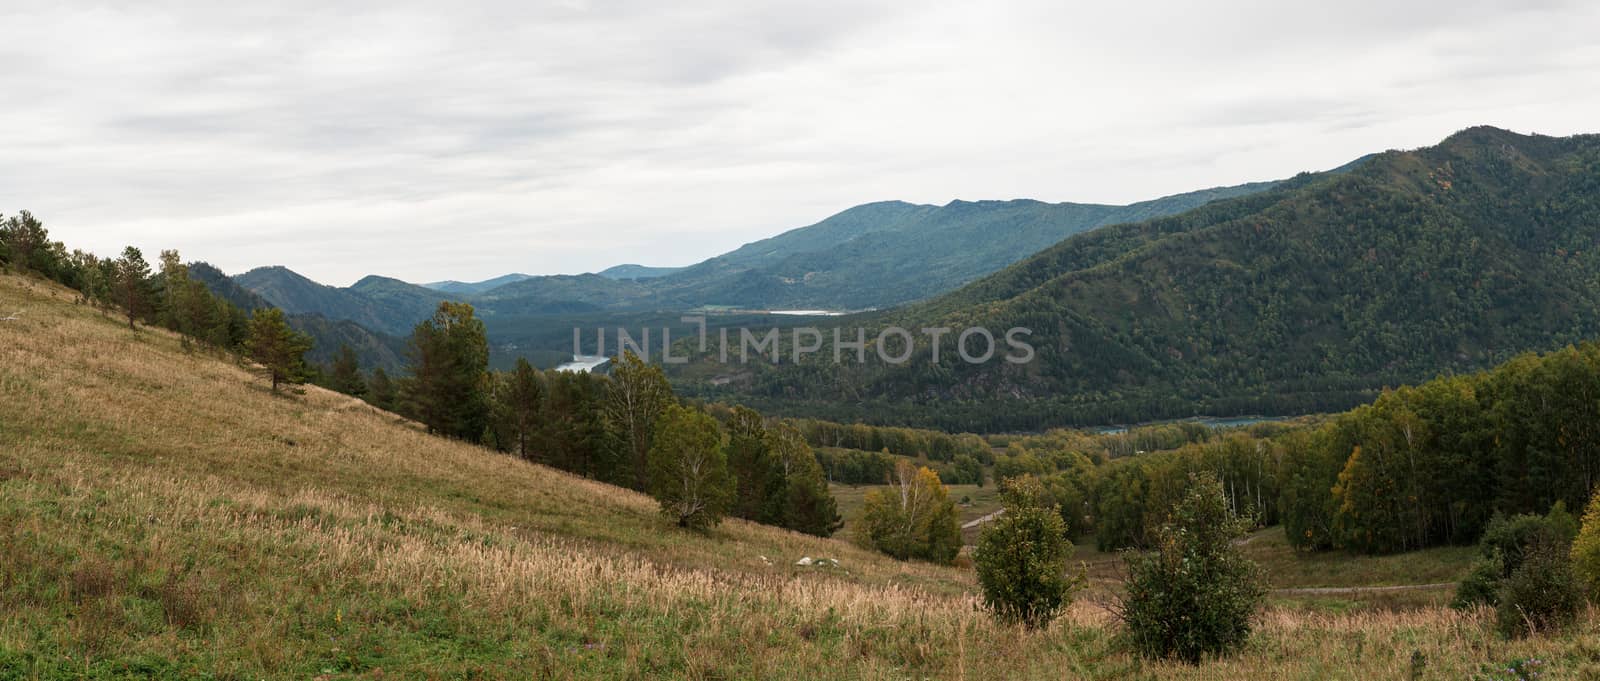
point(873, 255)
point(374, 349)
point(459, 287)
point(632, 271)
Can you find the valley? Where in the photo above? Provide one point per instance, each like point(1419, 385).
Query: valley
point(197, 525)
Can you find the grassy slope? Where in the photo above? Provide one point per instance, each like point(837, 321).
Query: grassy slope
point(161, 514)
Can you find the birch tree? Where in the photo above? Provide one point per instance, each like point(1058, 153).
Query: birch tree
point(688, 468)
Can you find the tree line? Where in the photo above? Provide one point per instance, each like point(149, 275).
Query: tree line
point(1433, 464)
point(128, 285)
point(1420, 466)
point(627, 428)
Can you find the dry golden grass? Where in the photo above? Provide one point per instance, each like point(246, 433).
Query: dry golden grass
point(163, 515)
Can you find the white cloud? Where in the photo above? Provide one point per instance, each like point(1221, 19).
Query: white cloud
point(466, 140)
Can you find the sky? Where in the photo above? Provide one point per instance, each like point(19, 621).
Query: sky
point(465, 140)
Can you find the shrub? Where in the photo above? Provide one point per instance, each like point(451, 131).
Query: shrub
point(1481, 586)
point(1503, 548)
point(1196, 594)
point(1542, 594)
point(1586, 549)
point(1021, 558)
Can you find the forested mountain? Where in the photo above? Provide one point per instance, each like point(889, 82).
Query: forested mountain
point(1307, 297)
point(374, 349)
point(385, 305)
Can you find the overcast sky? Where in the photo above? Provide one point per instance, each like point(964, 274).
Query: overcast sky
point(465, 140)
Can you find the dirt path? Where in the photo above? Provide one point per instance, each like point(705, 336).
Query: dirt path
point(1350, 590)
point(974, 523)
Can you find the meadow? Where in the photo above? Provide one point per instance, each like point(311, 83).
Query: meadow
point(163, 515)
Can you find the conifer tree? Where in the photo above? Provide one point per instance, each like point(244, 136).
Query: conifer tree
point(798, 487)
point(345, 374)
point(279, 349)
point(523, 401)
point(1196, 594)
point(381, 390)
point(132, 286)
point(449, 366)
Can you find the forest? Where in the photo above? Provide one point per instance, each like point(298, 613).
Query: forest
point(1310, 297)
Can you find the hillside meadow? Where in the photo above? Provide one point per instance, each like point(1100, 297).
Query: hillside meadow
point(163, 515)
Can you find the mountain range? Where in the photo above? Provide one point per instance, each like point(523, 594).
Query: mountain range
point(1307, 297)
point(870, 256)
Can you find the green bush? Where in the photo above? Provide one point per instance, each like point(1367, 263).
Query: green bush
point(1503, 548)
point(1542, 594)
point(1196, 594)
point(1021, 558)
point(1481, 586)
point(1586, 549)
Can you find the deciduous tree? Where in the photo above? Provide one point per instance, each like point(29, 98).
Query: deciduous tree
point(688, 468)
point(636, 396)
point(913, 518)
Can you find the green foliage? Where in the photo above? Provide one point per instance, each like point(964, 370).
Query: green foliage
point(345, 374)
point(1542, 594)
point(279, 349)
point(1504, 547)
point(1195, 595)
point(910, 442)
point(636, 396)
point(381, 390)
point(131, 284)
point(449, 373)
point(913, 518)
point(798, 496)
point(1423, 466)
point(688, 468)
point(517, 401)
point(1586, 549)
point(1021, 557)
point(855, 467)
point(1481, 586)
point(750, 458)
point(1309, 297)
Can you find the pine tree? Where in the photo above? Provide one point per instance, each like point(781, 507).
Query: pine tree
point(1196, 594)
point(279, 349)
point(345, 375)
point(449, 366)
point(381, 390)
point(132, 284)
point(688, 468)
point(748, 457)
point(524, 400)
